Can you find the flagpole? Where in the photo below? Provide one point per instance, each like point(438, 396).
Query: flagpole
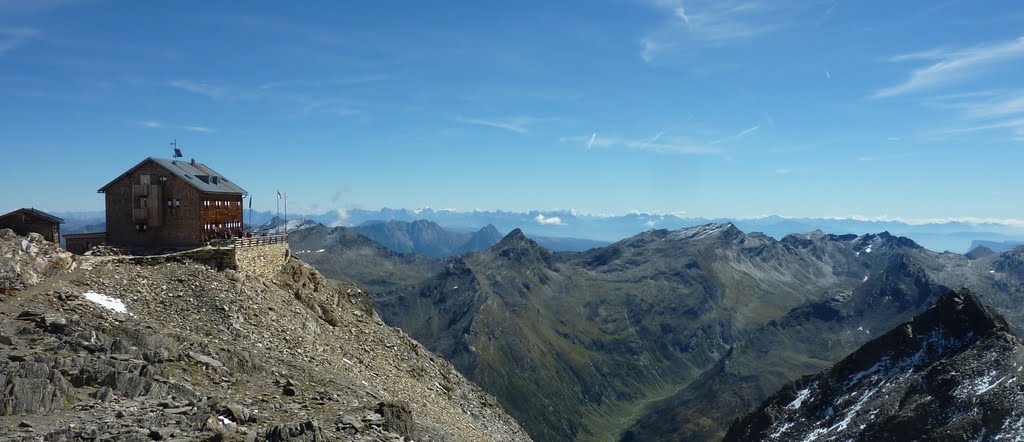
point(286, 213)
point(278, 206)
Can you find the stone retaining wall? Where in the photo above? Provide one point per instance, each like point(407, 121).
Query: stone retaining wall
point(264, 260)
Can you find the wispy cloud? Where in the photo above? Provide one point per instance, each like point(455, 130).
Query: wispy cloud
point(591, 142)
point(783, 171)
point(655, 138)
point(986, 110)
point(737, 135)
point(295, 96)
point(11, 38)
point(1017, 125)
point(827, 13)
point(516, 124)
point(150, 124)
point(951, 66)
point(704, 22)
point(549, 221)
point(664, 145)
point(216, 92)
point(653, 48)
point(985, 104)
point(14, 8)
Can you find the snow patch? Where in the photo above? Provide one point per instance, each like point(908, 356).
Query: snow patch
point(106, 301)
point(801, 396)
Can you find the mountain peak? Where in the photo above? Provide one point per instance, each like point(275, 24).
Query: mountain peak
point(962, 310)
point(490, 230)
point(979, 252)
point(517, 247)
point(925, 379)
point(725, 230)
point(515, 238)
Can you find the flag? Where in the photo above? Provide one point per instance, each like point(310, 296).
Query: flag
point(250, 201)
point(278, 194)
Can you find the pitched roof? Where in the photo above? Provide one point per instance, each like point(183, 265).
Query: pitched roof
point(38, 213)
point(198, 175)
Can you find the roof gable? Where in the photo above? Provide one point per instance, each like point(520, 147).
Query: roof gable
point(197, 175)
point(35, 213)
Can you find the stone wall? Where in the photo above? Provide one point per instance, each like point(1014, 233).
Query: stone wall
point(264, 260)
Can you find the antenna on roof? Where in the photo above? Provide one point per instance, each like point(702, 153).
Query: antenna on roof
point(177, 152)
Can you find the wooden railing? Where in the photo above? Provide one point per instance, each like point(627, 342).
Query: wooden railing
point(262, 240)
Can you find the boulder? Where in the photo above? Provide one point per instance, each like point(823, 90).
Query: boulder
point(398, 418)
point(308, 431)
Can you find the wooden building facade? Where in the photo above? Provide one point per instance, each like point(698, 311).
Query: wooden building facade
point(79, 243)
point(25, 221)
point(163, 204)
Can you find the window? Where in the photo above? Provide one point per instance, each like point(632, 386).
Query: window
point(170, 203)
point(218, 203)
point(177, 203)
point(144, 180)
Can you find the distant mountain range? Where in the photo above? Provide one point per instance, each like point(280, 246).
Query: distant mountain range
point(955, 236)
point(677, 331)
point(427, 238)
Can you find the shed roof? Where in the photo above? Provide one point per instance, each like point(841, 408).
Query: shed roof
point(198, 175)
point(35, 212)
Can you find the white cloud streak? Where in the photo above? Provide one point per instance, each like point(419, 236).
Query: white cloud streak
point(517, 125)
point(662, 146)
point(737, 135)
point(215, 92)
point(648, 143)
point(11, 38)
point(951, 66)
point(150, 124)
point(987, 110)
point(591, 142)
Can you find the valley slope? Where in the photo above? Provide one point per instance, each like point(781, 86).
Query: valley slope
point(582, 345)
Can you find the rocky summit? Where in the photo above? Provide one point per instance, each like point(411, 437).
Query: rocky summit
point(951, 373)
point(100, 348)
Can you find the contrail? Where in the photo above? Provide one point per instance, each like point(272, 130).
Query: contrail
point(648, 143)
point(828, 75)
point(591, 142)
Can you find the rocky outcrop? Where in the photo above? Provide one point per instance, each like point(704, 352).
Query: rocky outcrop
point(951, 373)
point(27, 260)
point(179, 351)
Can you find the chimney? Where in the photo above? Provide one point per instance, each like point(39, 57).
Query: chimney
point(193, 162)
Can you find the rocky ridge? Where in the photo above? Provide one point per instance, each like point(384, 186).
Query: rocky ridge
point(177, 351)
point(951, 373)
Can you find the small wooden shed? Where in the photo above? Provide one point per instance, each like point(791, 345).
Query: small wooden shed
point(25, 221)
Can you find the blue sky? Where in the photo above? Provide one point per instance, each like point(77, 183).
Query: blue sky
point(714, 108)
